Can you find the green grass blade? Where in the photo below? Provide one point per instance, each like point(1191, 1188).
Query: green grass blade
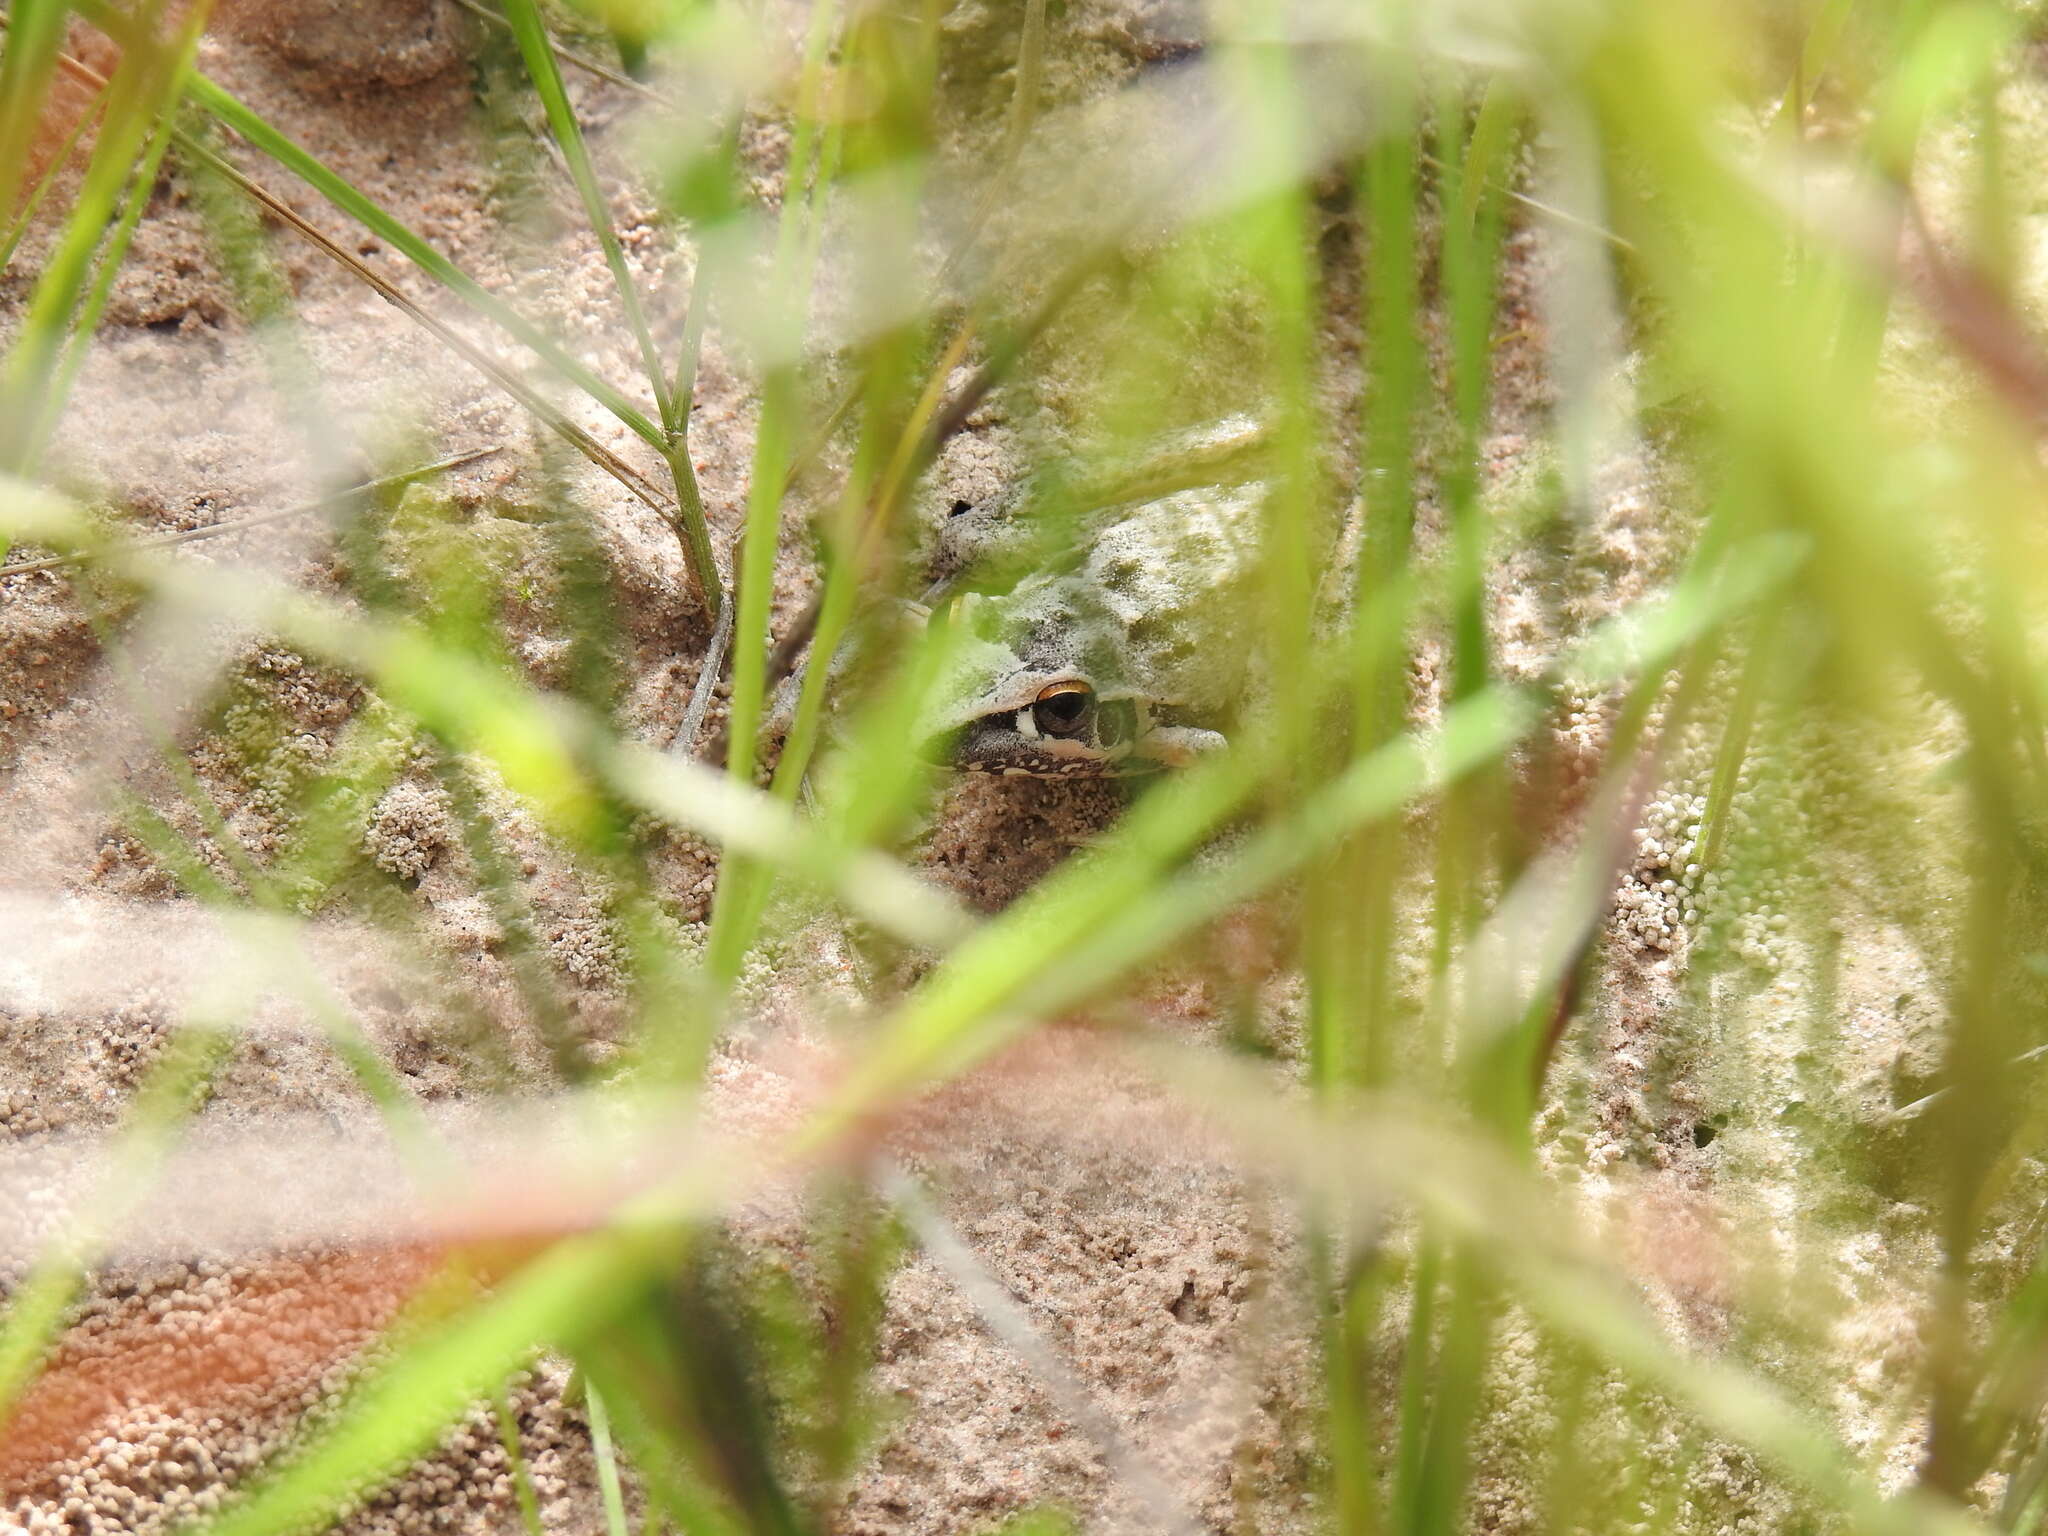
point(537, 50)
point(141, 187)
point(395, 1414)
point(1418, 1358)
point(775, 435)
point(142, 93)
point(1473, 1191)
point(741, 889)
point(1471, 248)
point(345, 196)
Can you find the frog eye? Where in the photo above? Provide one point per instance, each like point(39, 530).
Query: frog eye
point(1062, 709)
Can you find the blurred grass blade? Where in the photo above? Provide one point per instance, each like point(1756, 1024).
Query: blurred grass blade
point(1487, 166)
point(742, 889)
point(60, 161)
point(775, 432)
point(1011, 1324)
point(1817, 52)
point(1471, 1188)
point(546, 749)
point(35, 28)
point(40, 1302)
point(687, 1371)
point(258, 519)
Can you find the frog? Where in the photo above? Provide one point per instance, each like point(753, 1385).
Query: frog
point(1113, 662)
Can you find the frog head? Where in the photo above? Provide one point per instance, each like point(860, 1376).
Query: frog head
point(1089, 650)
point(1043, 685)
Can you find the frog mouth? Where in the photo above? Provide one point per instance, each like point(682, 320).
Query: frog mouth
point(979, 750)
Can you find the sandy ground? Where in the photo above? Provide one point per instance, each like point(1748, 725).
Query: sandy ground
point(1153, 1264)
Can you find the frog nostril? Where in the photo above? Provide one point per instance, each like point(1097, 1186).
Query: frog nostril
point(958, 507)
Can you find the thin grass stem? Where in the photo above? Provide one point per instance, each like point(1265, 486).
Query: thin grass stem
point(515, 1458)
point(570, 56)
point(607, 1462)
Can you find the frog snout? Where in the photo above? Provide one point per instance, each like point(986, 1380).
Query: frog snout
point(1179, 746)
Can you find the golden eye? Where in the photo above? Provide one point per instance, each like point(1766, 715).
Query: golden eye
point(1062, 709)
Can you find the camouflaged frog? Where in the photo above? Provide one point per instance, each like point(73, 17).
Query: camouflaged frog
point(1109, 662)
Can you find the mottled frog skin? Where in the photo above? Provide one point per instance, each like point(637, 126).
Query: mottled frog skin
point(1117, 660)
